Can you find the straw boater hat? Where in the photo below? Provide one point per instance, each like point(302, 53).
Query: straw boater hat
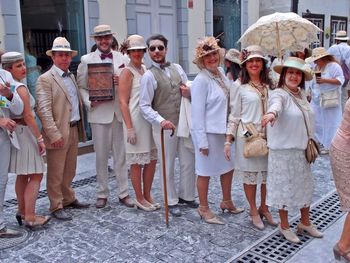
point(61, 44)
point(317, 53)
point(136, 42)
point(233, 56)
point(253, 51)
point(205, 46)
point(341, 35)
point(297, 63)
point(102, 30)
point(11, 57)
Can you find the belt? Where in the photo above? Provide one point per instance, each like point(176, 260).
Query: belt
point(73, 123)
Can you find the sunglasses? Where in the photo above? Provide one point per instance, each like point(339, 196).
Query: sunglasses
point(153, 48)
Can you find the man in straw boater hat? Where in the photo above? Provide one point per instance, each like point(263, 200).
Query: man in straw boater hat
point(9, 103)
point(341, 51)
point(160, 97)
point(105, 119)
point(60, 110)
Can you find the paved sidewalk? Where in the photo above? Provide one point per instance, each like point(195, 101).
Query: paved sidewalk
point(120, 234)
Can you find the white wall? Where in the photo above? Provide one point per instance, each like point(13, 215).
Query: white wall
point(253, 11)
point(2, 32)
point(113, 13)
point(196, 29)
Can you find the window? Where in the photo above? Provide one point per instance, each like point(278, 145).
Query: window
point(227, 20)
point(318, 20)
point(337, 23)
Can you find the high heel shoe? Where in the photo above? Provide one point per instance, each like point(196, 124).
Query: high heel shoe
point(268, 217)
point(38, 221)
point(257, 222)
point(19, 218)
point(311, 230)
point(339, 254)
point(289, 235)
point(143, 207)
point(208, 216)
point(230, 207)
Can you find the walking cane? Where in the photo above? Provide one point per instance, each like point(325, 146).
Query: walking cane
point(164, 177)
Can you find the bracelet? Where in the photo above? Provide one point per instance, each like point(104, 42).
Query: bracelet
point(40, 138)
point(227, 143)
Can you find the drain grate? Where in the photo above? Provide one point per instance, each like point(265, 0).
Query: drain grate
point(275, 248)
point(14, 241)
point(43, 193)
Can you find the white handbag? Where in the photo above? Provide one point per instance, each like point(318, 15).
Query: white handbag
point(329, 99)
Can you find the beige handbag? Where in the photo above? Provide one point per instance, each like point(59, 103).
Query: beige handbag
point(329, 99)
point(255, 145)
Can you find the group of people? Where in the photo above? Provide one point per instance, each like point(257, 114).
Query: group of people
point(210, 124)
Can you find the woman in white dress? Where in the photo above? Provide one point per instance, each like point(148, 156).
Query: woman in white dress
point(247, 104)
point(289, 180)
point(26, 162)
point(141, 152)
point(209, 93)
point(327, 119)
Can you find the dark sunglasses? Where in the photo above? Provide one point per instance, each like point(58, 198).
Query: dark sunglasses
point(153, 48)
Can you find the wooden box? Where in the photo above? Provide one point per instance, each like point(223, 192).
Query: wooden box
point(100, 82)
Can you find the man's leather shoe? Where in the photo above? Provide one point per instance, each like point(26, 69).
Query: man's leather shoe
point(60, 214)
point(127, 201)
point(174, 210)
point(77, 205)
point(191, 204)
point(101, 202)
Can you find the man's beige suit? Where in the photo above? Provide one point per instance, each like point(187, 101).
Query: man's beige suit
point(54, 110)
point(107, 129)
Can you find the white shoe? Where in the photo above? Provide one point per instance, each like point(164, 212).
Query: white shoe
point(289, 234)
point(311, 230)
point(8, 233)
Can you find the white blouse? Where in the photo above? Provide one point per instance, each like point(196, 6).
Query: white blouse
point(289, 130)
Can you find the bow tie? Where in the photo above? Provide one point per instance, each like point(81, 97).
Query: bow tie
point(163, 66)
point(64, 74)
point(104, 56)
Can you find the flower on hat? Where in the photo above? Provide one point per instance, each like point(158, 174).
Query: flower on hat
point(205, 46)
point(244, 54)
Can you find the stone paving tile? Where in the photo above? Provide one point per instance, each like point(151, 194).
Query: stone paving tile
point(119, 234)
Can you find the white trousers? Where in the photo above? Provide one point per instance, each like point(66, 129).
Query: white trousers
point(174, 146)
point(5, 152)
point(109, 137)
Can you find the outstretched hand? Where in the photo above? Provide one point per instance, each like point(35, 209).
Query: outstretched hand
point(268, 117)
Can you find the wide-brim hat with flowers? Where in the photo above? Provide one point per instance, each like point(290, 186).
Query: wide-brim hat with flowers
point(297, 63)
point(102, 30)
point(61, 44)
point(233, 55)
point(205, 46)
point(136, 42)
point(317, 53)
point(341, 35)
point(252, 51)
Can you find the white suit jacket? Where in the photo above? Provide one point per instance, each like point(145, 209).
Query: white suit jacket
point(104, 112)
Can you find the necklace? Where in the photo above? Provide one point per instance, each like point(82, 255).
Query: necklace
point(218, 79)
point(138, 69)
point(260, 88)
point(293, 92)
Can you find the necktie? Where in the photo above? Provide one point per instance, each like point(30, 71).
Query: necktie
point(66, 74)
point(163, 66)
point(104, 56)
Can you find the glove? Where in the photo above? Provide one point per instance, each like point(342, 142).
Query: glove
point(131, 136)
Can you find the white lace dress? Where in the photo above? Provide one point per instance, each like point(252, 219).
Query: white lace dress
point(145, 149)
point(289, 179)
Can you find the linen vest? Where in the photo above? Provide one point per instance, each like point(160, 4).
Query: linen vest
point(167, 97)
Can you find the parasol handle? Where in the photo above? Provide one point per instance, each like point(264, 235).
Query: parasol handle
point(278, 42)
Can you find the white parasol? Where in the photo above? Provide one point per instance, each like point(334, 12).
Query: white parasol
point(279, 32)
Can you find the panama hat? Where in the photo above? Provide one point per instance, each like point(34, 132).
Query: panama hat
point(205, 46)
point(317, 53)
point(341, 35)
point(61, 44)
point(11, 57)
point(297, 63)
point(136, 42)
point(233, 56)
point(253, 51)
point(102, 30)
